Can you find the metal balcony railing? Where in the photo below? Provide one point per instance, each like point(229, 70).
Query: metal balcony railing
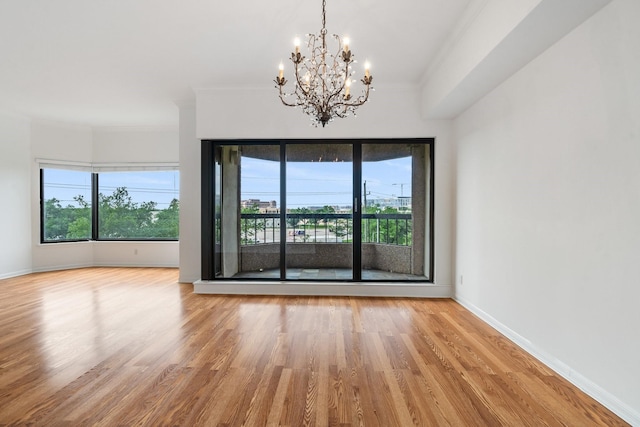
point(391, 229)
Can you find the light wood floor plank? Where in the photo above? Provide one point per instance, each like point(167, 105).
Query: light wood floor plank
point(132, 347)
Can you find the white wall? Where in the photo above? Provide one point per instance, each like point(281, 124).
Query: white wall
point(136, 254)
point(548, 207)
point(391, 112)
point(15, 179)
point(131, 144)
point(491, 42)
point(190, 230)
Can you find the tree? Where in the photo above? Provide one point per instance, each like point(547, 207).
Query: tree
point(55, 227)
point(386, 230)
point(323, 210)
point(67, 222)
point(80, 228)
point(119, 217)
point(249, 227)
point(299, 220)
point(166, 222)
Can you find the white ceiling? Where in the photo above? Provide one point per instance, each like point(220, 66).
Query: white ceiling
point(127, 62)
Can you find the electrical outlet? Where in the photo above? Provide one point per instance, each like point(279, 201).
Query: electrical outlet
point(135, 251)
point(461, 280)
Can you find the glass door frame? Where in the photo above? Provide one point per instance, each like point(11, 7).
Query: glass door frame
point(355, 197)
point(357, 212)
point(209, 148)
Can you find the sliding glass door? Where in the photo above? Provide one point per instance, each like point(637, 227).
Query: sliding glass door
point(247, 203)
point(393, 212)
point(319, 214)
point(319, 211)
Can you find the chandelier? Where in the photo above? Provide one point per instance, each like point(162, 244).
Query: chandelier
point(323, 81)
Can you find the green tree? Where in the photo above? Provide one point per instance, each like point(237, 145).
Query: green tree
point(121, 218)
point(80, 228)
point(249, 227)
point(165, 225)
point(384, 230)
point(323, 210)
point(297, 221)
point(55, 225)
point(67, 222)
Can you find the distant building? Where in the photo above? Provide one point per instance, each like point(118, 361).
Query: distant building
point(264, 207)
point(392, 202)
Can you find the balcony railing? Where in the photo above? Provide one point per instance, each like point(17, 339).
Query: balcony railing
point(391, 229)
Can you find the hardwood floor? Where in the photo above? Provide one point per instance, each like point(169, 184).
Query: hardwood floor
point(121, 347)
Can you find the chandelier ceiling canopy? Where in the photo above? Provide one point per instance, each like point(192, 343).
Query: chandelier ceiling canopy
point(322, 86)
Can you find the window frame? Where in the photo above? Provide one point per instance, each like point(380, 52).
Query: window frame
point(43, 204)
point(95, 170)
point(211, 157)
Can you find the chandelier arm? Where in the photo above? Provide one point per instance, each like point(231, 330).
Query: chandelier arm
point(335, 95)
point(298, 82)
point(336, 91)
point(359, 101)
point(337, 65)
point(307, 94)
point(281, 96)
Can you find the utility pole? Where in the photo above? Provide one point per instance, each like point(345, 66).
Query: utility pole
point(365, 194)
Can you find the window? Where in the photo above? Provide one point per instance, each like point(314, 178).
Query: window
point(66, 205)
point(109, 204)
point(138, 205)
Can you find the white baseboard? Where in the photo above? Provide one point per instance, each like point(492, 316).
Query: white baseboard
point(607, 399)
point(77, 266)
point(60, 267)
point(15, 273)
point(186, 279)
point(134, 265)
point(378, 289)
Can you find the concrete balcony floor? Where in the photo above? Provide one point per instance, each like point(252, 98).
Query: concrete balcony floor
point(339, 274)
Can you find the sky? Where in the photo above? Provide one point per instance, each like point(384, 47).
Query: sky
point(323, 183)
point(308, 184)
point(158, 186)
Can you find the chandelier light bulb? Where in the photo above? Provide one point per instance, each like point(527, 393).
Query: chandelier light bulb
point(296, 44)
point(346, 44)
